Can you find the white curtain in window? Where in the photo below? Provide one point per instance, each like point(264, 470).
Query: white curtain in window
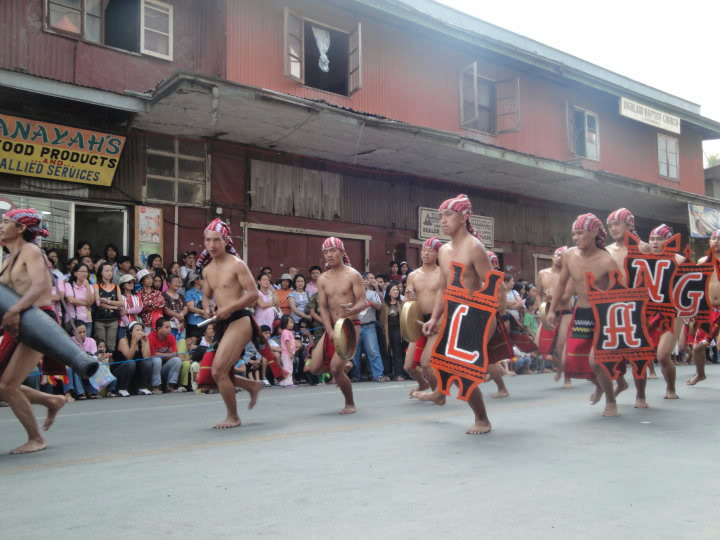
point(322, 38)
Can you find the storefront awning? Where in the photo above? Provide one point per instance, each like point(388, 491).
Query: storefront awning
point(195, 106)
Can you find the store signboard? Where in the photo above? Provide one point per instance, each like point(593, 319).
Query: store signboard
point(55, 152)
point(148, 233)
point(429, 226)
point(703, 220)
point(648, 115)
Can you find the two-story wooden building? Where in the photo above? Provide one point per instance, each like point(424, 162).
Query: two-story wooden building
point(295, 119)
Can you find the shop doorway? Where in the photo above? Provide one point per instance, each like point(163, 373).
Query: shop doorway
point(100, 225)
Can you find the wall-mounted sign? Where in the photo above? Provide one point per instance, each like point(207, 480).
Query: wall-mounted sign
point(648, 115)
point(703, 220)
point(55, 152)
point(429, 225)
point(148, 233)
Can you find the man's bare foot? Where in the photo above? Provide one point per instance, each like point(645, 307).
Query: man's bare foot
point(254, 390)
point(57, 403)
point(438, 398)
point(479, 428)
point(671, 394)
point(641, 403)
point(652, 375)
point(694, 380)
point(418, 389)
point(348, 409)
point(622, 385)
point(69, 398)
point(557, 376)
point(610, 410)
point(567, 384)
point(500, 394)
point(595, 396)
point(30, 447)
point(229, 422)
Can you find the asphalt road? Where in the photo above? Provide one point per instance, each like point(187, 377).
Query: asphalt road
point(551, 468)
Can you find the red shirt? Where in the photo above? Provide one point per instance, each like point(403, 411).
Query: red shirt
point(158, 345)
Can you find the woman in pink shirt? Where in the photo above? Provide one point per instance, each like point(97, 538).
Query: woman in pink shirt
point(266, 302)
point(79, 295)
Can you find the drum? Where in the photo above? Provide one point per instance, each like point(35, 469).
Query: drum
point(411, 321)
point(344, 339)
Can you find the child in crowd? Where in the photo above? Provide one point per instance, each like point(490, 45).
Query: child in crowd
point(287, 349)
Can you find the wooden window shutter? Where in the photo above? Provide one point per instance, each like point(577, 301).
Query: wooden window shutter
point(355, 60)
point(507, 103)
point(294, 47)
point(468, 97)
point(570, 121)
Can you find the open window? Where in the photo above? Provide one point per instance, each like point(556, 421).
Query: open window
point(322, 57)
point(487, 105)
point(142, 26)
point(583, 132)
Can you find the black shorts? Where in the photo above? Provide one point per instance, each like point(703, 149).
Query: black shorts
point(222, 325)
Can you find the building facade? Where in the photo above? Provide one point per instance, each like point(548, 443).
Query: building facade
point(295, 119)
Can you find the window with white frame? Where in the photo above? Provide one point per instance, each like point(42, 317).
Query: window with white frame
point(156, 27)
point(583, 133)
point(176, 170)
point(668, 164)
point(488, 105)
point(142, 26)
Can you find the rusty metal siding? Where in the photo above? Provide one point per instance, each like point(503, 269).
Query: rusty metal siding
point(412, 75)
point(198, 46)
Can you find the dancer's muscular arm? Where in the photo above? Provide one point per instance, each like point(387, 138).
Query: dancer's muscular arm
point(38, 274)
point(557, 292)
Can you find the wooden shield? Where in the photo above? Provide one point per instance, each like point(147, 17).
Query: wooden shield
point(411, 321)
point(344, 339)
point(461, 351)
point(689, 284)
point(621, 332)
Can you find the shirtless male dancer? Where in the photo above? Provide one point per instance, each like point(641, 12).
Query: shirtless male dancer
point(703, 336)
point(588, 255)
point(422, 286)
point(619, 222)
point(341, 294)
point(228, 281)
point(464, 248)
point(28, 274)
point(546, 279)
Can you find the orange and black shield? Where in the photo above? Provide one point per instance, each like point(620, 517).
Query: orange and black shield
point(460, 354)
point(690, 283)
point(621, 332)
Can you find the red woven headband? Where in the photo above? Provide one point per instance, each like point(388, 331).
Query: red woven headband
point(662, 230)
point(460, 204)
point(433, 243)
point(336, 243)
point(623, 215)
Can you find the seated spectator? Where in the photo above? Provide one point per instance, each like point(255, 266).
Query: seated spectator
point(175, 309)
point(298, 300)
point(197, 351)
point(166, 362)
point(77, 387)
point(272, 342)
point(151, 299)
point(283, 293)
point(194, 301)
point(104, 357)
point(132, 364)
